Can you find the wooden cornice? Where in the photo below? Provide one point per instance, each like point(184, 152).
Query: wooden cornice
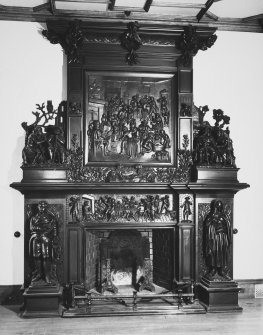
point(43, 14)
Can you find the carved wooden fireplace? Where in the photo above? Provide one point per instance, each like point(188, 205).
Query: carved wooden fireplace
point(128, 190)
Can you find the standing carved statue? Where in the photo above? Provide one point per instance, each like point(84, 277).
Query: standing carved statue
point(186, 205)
point(42, 244)
point(217, 241)
point(74, 208)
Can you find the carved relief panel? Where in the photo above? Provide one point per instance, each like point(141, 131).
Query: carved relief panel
point(119, 208)
point(129, 118)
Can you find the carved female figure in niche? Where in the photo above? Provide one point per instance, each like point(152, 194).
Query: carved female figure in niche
point(217, 241)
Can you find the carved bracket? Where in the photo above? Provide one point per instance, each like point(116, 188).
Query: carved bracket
point(190, 43)
point(71, 41)
point(131, 41)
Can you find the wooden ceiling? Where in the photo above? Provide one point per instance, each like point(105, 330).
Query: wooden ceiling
point(235, 15)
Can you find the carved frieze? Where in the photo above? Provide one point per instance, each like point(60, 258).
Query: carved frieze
point(117, 208)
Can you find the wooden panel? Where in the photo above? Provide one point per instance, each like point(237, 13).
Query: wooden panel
point(74, 78)
point(185, 81)
point(74, 255)
point(186, 257)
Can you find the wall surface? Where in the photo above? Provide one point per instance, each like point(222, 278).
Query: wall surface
point(31, 72)
point(227, 76)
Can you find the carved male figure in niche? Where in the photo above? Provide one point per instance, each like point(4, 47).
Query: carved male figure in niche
point(165, 204)
point(217, 241)
point(186, 205)
point(43, 227)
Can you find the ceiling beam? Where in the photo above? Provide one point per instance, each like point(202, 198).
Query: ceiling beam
point(211, 15)
point(12, 13)
point(202, 12)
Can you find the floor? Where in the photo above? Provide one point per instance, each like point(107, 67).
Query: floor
point(250, 321)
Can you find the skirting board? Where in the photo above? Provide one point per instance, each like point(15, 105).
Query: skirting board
point(12, 294)
point(249, 287)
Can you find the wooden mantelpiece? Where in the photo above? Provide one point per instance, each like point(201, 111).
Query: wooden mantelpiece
point(131, 190)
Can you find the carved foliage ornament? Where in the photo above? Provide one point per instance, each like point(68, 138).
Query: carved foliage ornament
point(71, 41)
point(78, 173)
point(190, 43)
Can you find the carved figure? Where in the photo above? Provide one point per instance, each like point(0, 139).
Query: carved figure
point(217, 241)
point(43, 228)
point(130, 40)
point(212, 144)
point(44, 147)
point(74, 208)
point(165, 204)
point(87, 211)
point(186, 205)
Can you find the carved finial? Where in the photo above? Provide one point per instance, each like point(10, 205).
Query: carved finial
point(130, 40)
point(190, 43)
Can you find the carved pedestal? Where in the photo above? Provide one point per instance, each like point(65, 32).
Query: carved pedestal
point(42, 301)
point(219, 296)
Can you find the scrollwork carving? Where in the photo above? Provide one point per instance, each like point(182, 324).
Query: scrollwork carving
point(71, 41)
point(190, 43)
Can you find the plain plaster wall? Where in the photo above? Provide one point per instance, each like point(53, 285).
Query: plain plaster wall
point(227, 76)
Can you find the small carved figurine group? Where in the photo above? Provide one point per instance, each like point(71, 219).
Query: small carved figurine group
point(212, 144)
point(44, 144)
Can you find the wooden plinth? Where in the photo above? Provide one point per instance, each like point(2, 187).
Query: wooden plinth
point(42, 301)
point(219, 296)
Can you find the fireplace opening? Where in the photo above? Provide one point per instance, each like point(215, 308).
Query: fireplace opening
point(128, 260)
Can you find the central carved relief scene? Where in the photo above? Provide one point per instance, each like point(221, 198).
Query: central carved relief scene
point(128, 118)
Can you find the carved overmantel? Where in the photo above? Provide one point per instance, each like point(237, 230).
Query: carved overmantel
point(128, 157)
